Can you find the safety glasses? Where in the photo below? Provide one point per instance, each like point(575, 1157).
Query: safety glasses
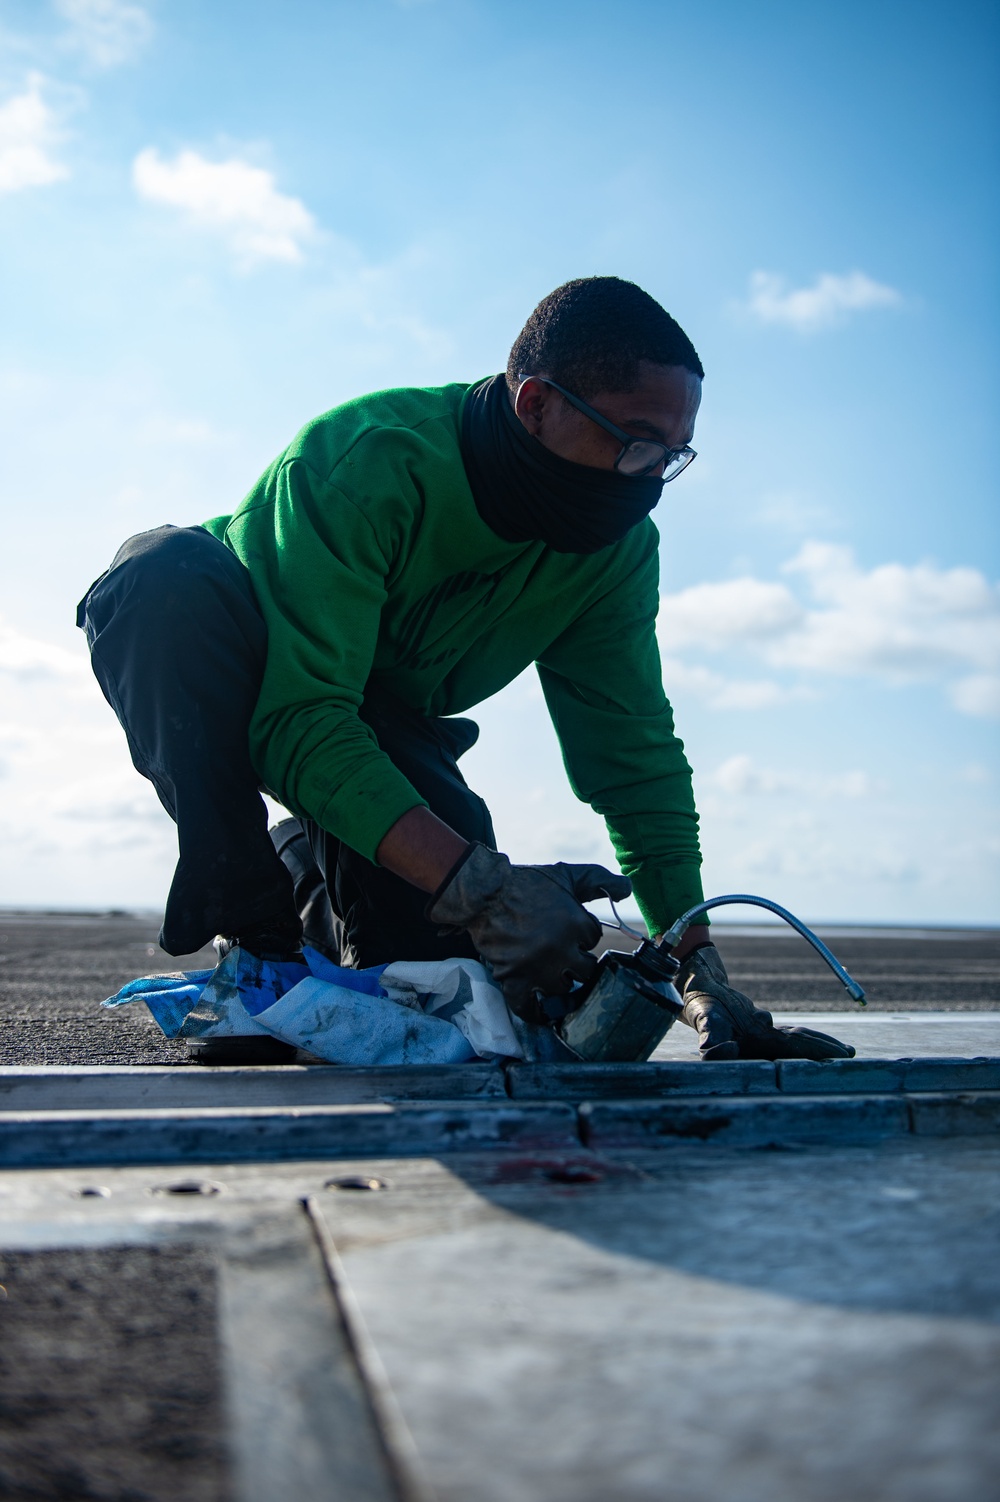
point(638, 456)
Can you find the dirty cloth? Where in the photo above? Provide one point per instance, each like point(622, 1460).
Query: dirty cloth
point(410, 1012)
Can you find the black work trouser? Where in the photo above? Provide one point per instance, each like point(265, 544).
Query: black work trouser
point(178, 644)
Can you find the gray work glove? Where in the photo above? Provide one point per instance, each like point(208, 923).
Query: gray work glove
point(527, 921)
point(728, 1024)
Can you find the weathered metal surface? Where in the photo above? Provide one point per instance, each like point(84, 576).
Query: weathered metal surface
point(95, 1088)
point(99, 1088)
point(403, 1462)
point(621, 1081)
point(955, 1115)
point(723, 1327)
point(270, 1134)
point(275, 1134)
point(675, 1325)
point(802, 1077)
point(300, 1423)
point(744, 1120)
point(748, 1077)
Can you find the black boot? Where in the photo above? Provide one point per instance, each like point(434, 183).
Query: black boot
point(321, 928)
point(278, 939)
point(234, 1053)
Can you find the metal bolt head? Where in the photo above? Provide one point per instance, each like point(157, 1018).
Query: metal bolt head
point(356, 1181)
point(188, 1186)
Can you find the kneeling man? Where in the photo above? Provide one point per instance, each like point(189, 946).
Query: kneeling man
point(409, 554)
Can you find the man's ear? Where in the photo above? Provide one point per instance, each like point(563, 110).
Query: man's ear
point(529, 403)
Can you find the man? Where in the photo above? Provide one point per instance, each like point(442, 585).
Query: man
point(406, 556)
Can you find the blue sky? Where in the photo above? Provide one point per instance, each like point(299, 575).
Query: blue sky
point(217, 221)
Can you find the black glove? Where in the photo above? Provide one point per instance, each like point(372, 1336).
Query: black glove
point(527, 922)
point(728, 1024)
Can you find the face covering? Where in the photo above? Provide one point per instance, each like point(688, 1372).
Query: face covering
point(525, 493)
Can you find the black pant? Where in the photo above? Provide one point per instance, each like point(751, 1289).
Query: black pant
point(178, 645)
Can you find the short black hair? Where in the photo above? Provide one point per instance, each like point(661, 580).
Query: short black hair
point(591, 333)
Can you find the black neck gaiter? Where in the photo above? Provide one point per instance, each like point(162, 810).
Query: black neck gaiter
point(525, 493)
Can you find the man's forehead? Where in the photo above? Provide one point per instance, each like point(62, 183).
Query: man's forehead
point(671, 386)
point(665, 398)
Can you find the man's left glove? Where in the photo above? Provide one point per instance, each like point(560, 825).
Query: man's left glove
point(728, 1024)
point(527, 922)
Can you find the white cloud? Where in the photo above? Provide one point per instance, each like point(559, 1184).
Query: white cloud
point(122, 799)
point(715, 615)
point(107, 32)
point(721, 692)
point(979, 694)
point(740, 777)
point(28, 134)
point(77, 822)
point(795, 860)
point(896, 623)
point(821, 306)
point(232, 198)
point(28, 658)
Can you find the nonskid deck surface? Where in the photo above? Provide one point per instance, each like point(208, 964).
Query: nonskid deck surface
point(55, 969)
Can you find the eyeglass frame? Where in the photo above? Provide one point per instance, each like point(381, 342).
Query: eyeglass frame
point(626, 439)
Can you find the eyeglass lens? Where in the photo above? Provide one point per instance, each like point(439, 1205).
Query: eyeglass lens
point(644, 458)
point(676, 463)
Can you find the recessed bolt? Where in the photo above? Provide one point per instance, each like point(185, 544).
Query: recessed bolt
point(188, 1186)
point(356, 1181)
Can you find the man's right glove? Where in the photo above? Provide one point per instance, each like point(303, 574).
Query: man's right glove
point(527, 922)
point(728, 1024)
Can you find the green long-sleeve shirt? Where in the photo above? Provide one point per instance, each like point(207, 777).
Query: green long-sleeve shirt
point(371, 562)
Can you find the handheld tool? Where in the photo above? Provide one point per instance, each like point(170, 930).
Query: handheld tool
point(632, 1002)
